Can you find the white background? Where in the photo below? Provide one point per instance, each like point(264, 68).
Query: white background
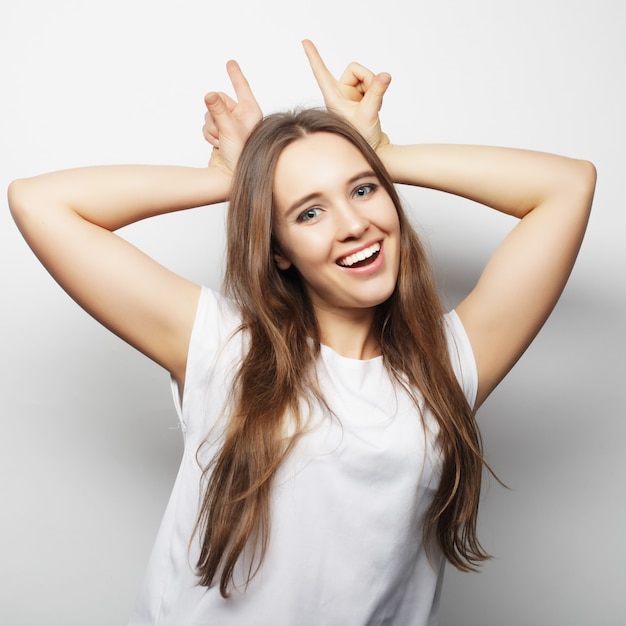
point(88, 439)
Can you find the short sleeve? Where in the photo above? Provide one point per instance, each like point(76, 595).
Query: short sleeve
point(216, 323)
point(461, 356)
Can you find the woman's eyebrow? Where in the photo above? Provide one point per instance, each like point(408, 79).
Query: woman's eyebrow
point(298, 203)
point(316, 194)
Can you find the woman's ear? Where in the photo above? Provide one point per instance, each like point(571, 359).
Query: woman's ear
point(282, 262)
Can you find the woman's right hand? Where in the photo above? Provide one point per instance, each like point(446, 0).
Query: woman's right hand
point(228, 122)
point(357, 96)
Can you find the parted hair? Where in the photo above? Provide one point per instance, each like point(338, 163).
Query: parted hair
point(278, 371)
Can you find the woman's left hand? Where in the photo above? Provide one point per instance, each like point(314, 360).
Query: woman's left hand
point(228, 122)
point(357, 95)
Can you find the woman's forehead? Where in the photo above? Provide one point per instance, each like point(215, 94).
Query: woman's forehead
point(315, 162)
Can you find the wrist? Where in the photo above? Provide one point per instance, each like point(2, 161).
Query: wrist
point(386, 152)
point(383, 142)
point(221, 181)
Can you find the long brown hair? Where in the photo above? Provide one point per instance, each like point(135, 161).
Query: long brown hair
point(278, 371)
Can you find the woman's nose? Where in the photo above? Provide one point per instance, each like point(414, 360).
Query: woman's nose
point(352, 223)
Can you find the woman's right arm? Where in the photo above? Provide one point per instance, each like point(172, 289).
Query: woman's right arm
point(68, 219)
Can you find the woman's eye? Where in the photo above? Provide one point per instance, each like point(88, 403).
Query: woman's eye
point(365, 190)
point(309, 214)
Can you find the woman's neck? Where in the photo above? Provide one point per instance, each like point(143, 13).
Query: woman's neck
point(348, 332)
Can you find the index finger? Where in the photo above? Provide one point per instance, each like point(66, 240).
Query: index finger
point(324, 78)
point(239, 81)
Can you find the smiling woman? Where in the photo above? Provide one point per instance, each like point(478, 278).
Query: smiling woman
point(344, 212)
point(307, 299)
point(332, 461)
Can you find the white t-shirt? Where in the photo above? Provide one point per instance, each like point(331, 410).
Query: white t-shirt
point(346, 544)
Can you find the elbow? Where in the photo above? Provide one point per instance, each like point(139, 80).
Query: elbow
point(16, 198)
point(24, 198)
point(586, 178)
point(577, 188)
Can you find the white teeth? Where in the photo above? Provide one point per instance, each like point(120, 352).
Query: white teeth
point(361, 255)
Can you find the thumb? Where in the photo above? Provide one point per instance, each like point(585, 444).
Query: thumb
point(215, 103)
point(373, 97)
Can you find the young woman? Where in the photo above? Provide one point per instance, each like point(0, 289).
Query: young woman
point(332, 462)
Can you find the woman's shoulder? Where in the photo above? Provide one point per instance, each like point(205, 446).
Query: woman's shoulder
point(216, 332)
point(461, 355)
point(216, 312)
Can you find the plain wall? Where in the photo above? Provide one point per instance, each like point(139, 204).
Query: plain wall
point(88, 441)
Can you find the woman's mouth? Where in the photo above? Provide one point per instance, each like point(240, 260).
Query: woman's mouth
point(362, 257)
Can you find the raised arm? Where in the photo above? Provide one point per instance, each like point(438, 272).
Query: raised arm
point(68, 219)
point(551, 195)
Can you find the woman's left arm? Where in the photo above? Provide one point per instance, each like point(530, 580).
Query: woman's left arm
point(550, 195)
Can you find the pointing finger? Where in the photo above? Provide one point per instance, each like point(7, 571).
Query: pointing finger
point(324, 78)
point(239, 81)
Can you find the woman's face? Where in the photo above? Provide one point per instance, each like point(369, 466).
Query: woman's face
point(335, 223)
